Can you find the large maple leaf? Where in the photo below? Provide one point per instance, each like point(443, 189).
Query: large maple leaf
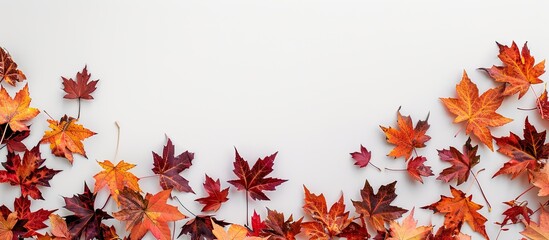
point(16, 111)
point(86, 220)
point(80, 88)
point(151, 213)
point(215, 197)
point(478, 112)
point(461, 162)
point(326, 223)
point(459, 209)
point(540, 179)
point(406, 137)
point(376, 208)
point(8, 69)
point(409, 230)
point(540, 230)
point(30, 221)
point(28, 172)
point(65, 137)
point(116, 178)
point(169, 166)
point(254, 180)
point(518, 70)
point(201, 227)
point(525, 153)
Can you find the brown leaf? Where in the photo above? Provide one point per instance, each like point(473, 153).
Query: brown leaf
point(8, 69)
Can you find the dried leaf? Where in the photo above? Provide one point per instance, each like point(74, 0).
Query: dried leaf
point(65, 137)
point(406, 137)
point(215, 197)
point(201, 227)
point(326, 224)
point(169, 166)
point(409, 229)
point(116, 178)
point(16, 111)
point(362, 158)
point(540, 230)
point(541, 180)
point(8, 69)
point(80, 88)
point(461, 162)
point(417, 169)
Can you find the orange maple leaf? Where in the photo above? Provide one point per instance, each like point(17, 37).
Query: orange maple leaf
point(538, 231)
point(406, 137)
point(16, 111)
point(518, 69)
point(8, 69)
point(65, 137)
point(116, 178)
point(149, 214)
point(409, 229)
point(458, 210)
point(7, 225)
point(478, 112)
point(540, 179)
point(326, 223)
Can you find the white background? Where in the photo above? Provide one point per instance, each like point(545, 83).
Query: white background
point(310, 79)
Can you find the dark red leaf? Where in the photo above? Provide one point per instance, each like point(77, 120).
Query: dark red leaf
point(215, 197)
point(461, 162)
point(80, 88)
point(201, 227)
point(363, 157)
point(169, 166)
point(257, 225)
point(276, 228)
point(13, 140)
point(417, 169)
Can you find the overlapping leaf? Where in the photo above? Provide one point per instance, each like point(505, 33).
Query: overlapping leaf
point(461, 162)
point(326, 223)
point(169, 166)
point(215, 197)
point(417, 169)
point(30, 221)
point(116, 178)
point(479, 113)
point(16, 112)
point(539, 230)
point(8, 69)
point(201, 227)
point(65, 137)
point(409, 230)
point(406, 137)
point(540, 179)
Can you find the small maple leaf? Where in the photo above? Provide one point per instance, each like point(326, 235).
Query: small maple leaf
point(459, 209)
point(409, 229)
point(362, 158)
point(406, 137)
point(540, 179)
point(16, 112)
point(80, 88)
point(326, 224)
point(59, 228)
point(376, 208)
point(151, 213)
point(116, 178)
point(8, 69)
point(416, 168)
point(65, 137)
point(86, 220)
point(478, 112)
point(515, 211)
point(461, 162)
point(542, 104)
point(540, 230)
point(276, 228)
point(11, 228)
point(525, 153)
point(201, 227)
point(169, 166)
point(518, 70)
point(13, 139)
point(215, 197)
point(254, 180)
point(28, 172)
point(257, 225)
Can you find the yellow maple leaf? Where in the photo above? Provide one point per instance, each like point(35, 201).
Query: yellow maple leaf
point(65, 137)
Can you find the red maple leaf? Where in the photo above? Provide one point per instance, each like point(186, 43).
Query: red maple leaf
point(28, 172)
point(525, 153)
point(516, 212)
point(254, 180)
point(417, 169)
point(80, 88)
point(362, 158)
point(13, 139)
point(461, 162)
point(86, 220)
point(257, 225)
point(215, 197)
point(169, 166)
point(201, 227)
point(542, 104)
point(33, 221)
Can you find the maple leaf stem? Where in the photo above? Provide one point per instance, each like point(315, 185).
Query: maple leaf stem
point(534, 91)
point(117, 140)
point(373, 165)
point(176, 198)
point(527, 109)
point(1, 80)
point(79, 100)
point(148, 177)
point(525, 191)
point(4, 133)
point(395, 170)
point(108, 199)
point(46, 112)
point(539, 208)
point(415, 152)
point(247, 213)
point(455, 135)
point(481, 191)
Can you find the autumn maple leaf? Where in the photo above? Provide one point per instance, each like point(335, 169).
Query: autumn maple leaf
point(540, 230)
point(254, 180)
point(276, 228)
point(409, 230)
point(13, 139)
point(215, 197)
point(362, 158)
point(461, 162)
point(116, 178)
point(59, 228)
point(65, 137)
point(8, 69)
point(417, 169)
point(30, 221)
point(80, 88)
point(326, 224)
point(169, 166)
point(542, 104)
point(540, 179)
point(11, 228)
point(518, 70)
point(478, 112)
point(16, 112)
point(28, 172)
point(151, 213)
point(515, 212)
point(201, 227)
point(235, 232)
point(86, 220)
point(525, 153)
point(376, 208)
point(459, 209)
point(406, 137)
